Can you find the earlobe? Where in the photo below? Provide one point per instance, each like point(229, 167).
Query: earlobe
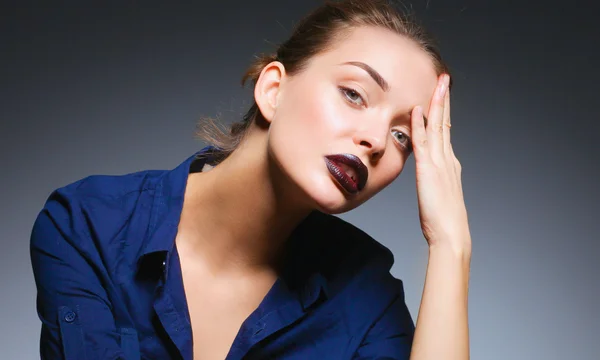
point(267, 89)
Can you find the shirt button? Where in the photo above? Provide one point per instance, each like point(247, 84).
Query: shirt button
point(70, 316)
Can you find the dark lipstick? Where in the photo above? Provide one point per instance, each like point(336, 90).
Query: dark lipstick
point(348, 170)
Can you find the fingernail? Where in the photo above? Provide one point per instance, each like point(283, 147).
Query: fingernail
point(419, 110)
point(443, 86)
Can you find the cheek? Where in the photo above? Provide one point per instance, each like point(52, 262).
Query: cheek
point(388, 171)
point(311, 117)
point(335, 118)
point(380, 178)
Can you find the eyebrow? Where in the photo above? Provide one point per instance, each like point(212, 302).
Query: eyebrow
point(378, 79)
point(372, 72)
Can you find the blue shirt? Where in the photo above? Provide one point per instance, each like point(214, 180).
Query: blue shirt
point(109, 282)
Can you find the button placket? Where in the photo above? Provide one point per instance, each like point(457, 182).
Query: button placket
point(71, 332)
point(259, 328)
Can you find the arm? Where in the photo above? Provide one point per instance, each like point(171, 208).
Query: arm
point(77, 322)
point(442, 327)
point(442, 324)
point(391, 336)
point(442, 331)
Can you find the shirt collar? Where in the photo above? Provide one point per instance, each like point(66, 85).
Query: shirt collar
point(313, 291)
point(168, 202)
point(305, 262)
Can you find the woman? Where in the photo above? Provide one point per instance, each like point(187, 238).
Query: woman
point(234, 253)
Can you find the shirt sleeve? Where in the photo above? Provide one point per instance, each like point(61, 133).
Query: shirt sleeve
point(73, 306)
point(390, 338)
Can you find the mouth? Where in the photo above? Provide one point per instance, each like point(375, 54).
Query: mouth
point(348, 170)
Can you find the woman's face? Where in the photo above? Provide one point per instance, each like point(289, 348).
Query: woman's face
point(354, 99)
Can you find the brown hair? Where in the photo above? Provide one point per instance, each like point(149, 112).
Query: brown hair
point(312, 35)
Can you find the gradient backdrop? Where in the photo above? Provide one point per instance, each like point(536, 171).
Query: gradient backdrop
point(114, 87)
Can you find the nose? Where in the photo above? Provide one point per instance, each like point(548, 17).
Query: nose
point(373, 144)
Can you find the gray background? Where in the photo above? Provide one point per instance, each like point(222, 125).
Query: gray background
point(114, 87)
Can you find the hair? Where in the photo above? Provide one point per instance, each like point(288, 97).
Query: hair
point(313, 34)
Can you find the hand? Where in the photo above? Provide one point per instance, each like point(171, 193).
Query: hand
point(442, 210)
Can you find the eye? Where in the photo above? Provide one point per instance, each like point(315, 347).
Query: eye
point(402, 139)
point(352, 96)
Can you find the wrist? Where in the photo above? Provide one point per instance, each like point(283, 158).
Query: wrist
point(459, 247)
point(452, 261)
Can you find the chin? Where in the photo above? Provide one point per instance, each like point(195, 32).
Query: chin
point(330, 198)
point(321, 192)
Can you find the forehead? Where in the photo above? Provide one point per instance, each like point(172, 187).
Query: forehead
point(407, 68)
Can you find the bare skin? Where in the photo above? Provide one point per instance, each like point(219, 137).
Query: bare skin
point(442, 324)
point(237, 216)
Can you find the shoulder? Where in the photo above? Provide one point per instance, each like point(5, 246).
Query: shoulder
point(105, 187)
point(94, 214)
point(102, 194)
point(357, 272)
point(339, 249)
point(345, 255)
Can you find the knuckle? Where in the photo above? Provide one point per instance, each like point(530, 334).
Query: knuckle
point(457, 164)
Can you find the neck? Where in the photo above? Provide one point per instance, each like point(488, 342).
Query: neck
point(238, 215)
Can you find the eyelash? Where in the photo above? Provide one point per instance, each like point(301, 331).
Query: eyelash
point(408, 145)
point(346, 91)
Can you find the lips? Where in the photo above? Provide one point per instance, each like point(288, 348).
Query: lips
point(348, 170)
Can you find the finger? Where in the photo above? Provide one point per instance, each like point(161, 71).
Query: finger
point(458, 173)
point(457, 168)
point(419, 134)
point(436, 113)
point(446, 125)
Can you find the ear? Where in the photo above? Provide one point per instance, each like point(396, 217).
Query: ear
point(266, 90)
